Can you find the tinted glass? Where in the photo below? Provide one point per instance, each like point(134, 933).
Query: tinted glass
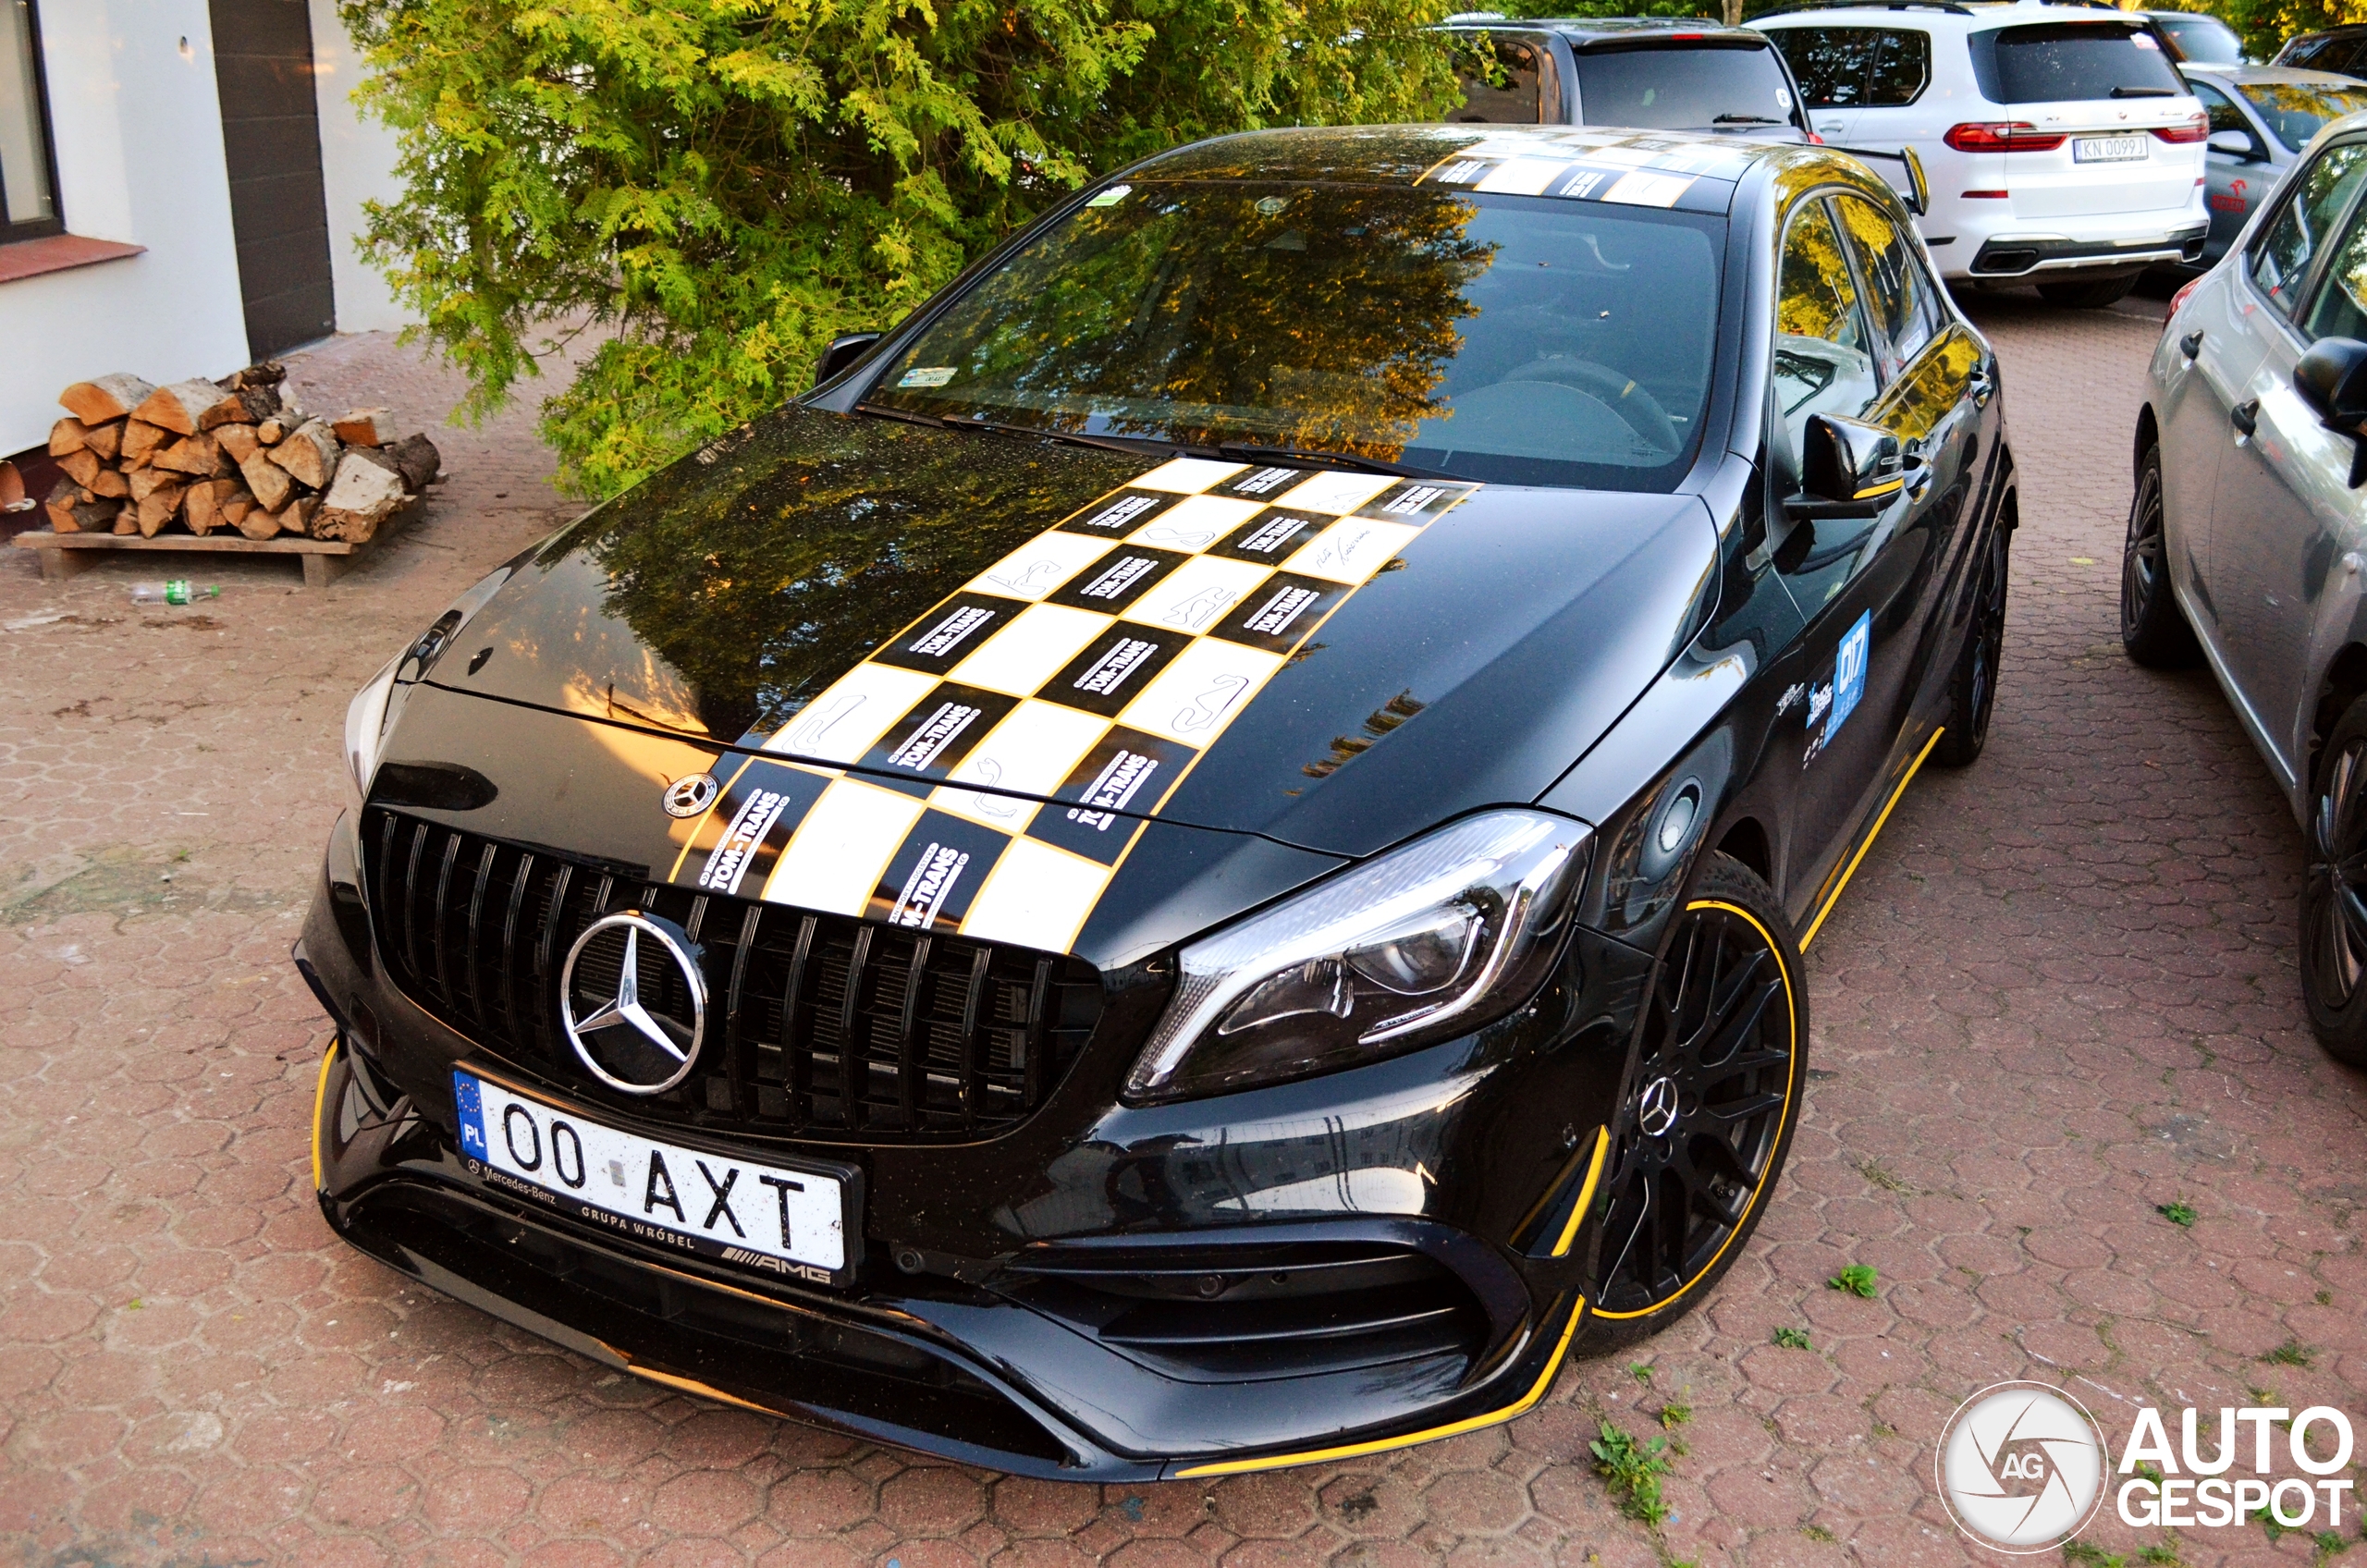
point(2224, 114)
point(1675, 88)
point(2204, 40)
point(1831, 64)
point(2281, 257)
point(1524, 340)
point(1902, 68)
point(2064, 62)
point(1898, 292)
point(1823, 359)
point(24, 145)
point(1499, 83)
point(2294, 114)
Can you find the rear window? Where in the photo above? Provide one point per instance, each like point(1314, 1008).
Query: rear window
point(1854, 68)
point(1500, 82)
point(1663, 89)
point(2204, 40)
point(2293, 114)
point(2072, 62)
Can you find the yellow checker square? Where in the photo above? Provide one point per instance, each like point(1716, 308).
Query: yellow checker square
point(840, 724)
point(1186, 476)
point(1352, 550)
point(1039, 566)
point(1031, 650)
point(1195, 596)
point(1334, 493)
point(1033, 750)
point(1192, 699)
point(1036, 896)
point(842, 848)
point(1192, 524)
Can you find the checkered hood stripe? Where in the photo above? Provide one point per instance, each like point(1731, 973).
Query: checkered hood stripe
point(1091, 667)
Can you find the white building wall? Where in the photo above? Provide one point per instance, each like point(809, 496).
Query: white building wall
point(357, 165)
point(138, 128)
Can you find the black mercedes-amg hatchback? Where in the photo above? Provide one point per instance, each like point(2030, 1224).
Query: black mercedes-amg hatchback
point(1197, 862)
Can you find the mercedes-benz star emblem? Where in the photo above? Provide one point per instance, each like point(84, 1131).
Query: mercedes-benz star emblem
point(633, 1003)
point(1656, 1109)
point(690, 794)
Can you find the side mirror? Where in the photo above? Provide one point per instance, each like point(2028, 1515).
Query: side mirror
point(2235, 145)
point(844, 351)
point(2332, 379)
point(1848, 469)
point(1919, 190)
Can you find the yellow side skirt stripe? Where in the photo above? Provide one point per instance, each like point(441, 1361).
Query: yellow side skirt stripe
point(1834, 897)
point(1586, 1193)
point(320, 1109)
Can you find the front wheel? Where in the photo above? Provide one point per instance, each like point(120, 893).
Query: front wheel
point(2333, 894)
point(2152, 628)
point(2092, 294)
point(1972, 690)
point(1721, 1060)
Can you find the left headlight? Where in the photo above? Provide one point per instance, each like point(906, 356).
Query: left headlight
point(1429, 941)
point(365, 732)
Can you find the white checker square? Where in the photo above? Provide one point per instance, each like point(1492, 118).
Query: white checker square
point(840, 724)
point(1523, 177)
point(1198, 594)
point(1036, 896)
point(1187, 476)
point(1031, 650)
point(1351, 550)
point(1039, 566)
point(1192, 524)
point(1335, 492)
point(1641, 189)
point(1192, 699)
point(839, 851)
point(1033, 750)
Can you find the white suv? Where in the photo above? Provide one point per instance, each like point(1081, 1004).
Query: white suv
point(2061, 145)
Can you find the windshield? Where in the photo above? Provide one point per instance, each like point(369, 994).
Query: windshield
point(1682, 89)
point(2067, 61)
point(1525, 340)
point(2294, 114)
point(2204, 40)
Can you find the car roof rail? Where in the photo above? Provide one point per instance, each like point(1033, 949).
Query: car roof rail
point(1950, 7)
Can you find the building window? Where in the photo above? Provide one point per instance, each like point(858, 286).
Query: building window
point(28, 173)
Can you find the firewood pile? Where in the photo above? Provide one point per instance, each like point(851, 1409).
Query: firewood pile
point(234, 454)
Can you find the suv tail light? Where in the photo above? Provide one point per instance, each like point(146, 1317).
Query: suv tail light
point(2002, 136)
point(2192, 129)
point(2179, 298)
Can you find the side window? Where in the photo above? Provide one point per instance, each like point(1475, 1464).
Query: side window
point(1830, 63)
point(2281, 256)
point(1499, 83)
point(1900, 294)
point(1823, 359)
point(2224, 114)
point(28, 186)
point(2339, 306)
point(1902, 68)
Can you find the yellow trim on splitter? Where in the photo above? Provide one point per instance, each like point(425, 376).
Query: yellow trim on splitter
point(1520, 1406)
point(1835, 897)
point(1792, 1011)
point(1586, 1193)
point(320, 1108)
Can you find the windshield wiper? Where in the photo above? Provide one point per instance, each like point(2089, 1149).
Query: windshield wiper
point(2144, 92)
point(1134, 449)
point(1332, 459)
point(1747, 119)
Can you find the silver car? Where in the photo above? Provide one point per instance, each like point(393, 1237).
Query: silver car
point(2248, 537)
point(2261, 118)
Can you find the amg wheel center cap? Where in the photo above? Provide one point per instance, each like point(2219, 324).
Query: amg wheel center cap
point(1656, 1107)
point(633, 1003)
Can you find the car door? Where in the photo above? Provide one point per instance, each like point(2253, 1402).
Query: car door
point(2235, 182)
point(2275, 522)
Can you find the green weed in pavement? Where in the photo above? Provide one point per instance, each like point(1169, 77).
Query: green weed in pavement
point(1858, 1280)
point(2180, 1213)
point(1634, 1471)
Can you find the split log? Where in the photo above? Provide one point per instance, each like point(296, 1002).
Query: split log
point(361, 427)
point(142, 482)
point(238, 442)
point(364, 496)
point(310, 453)
point(199, 456)
point(110, 483)
point(187, 407)
point(273, 431)
point(68, 436)
point(105, 439)
point(202, 506)
point(83, 465)
point(110, 396)
point(127, 521)
point(419, 462)
point(267, 480)
point(263, 373)
point(73, 511)
point(296, 516)
point(240, 511)
point(141, 440)
point(261, 402)
point(163, 503)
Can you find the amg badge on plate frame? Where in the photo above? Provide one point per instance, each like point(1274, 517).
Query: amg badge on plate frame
point(690, 794)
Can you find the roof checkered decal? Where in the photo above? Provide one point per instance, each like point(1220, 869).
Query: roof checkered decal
point(1092, 666)
point(1581, 162)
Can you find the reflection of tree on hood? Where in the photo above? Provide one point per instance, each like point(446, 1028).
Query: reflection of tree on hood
point(1309, 316)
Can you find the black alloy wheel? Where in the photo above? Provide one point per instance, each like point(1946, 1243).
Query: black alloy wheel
point(2152, 628)
point(2333, 894)
point(1972, 690)
point(1721, 1059)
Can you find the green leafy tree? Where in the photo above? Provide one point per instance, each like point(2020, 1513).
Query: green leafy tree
point(2266, 24)
point(717, 187)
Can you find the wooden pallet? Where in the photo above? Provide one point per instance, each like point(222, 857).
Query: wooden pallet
point(325, 560)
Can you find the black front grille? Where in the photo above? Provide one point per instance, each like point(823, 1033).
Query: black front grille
point(819, 1024)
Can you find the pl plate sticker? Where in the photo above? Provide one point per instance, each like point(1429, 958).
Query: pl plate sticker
point(1831, 701)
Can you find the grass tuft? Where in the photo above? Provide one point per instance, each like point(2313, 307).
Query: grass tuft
point(2292, 1353)
point(1792, 1338)
point(1634, 1471)
point(2179, 1213)
point(1858, 1280)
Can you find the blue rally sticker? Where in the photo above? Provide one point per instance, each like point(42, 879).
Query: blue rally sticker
point(464, 1095)
point(1849, 673)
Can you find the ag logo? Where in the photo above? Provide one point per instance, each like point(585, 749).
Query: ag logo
point(690, 794)
point(2021, 1467)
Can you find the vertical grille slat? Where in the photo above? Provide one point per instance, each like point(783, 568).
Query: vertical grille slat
point(821, 1025)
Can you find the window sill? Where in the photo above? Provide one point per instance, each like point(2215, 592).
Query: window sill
point(60, 253)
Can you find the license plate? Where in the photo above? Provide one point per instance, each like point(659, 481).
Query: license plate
point(787, 1219)
point(2107, 149)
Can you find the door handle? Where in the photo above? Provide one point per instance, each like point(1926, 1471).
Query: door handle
point(2245, 416)
point(1916, 469)
point(2191, 344)
point(1982, 386)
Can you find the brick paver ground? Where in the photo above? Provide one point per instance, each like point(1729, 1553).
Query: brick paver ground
point(2059, 993)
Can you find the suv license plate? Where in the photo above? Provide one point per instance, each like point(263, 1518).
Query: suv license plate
point(792, 1220)
point(2107, 149)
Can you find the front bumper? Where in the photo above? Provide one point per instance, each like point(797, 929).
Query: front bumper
point(999, 1318)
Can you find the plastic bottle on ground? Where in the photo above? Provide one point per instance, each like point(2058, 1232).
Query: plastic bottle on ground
point(177, 591)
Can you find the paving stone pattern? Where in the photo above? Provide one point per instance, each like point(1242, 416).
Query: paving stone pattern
point(2060, 993)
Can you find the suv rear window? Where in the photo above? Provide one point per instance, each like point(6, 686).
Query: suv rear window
point(2068, 62)
point(1856, 68)
point(1679, 88)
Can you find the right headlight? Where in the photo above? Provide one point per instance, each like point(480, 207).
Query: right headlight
point(367, 718)
point(1429, 941)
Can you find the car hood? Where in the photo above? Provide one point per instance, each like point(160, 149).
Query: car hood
point(742, 599)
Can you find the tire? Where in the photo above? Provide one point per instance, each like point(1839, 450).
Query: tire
point(1726, 1027)
point(1972, 687)
point(2092, 294)
point(2152, 628)
point(2333, 893)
